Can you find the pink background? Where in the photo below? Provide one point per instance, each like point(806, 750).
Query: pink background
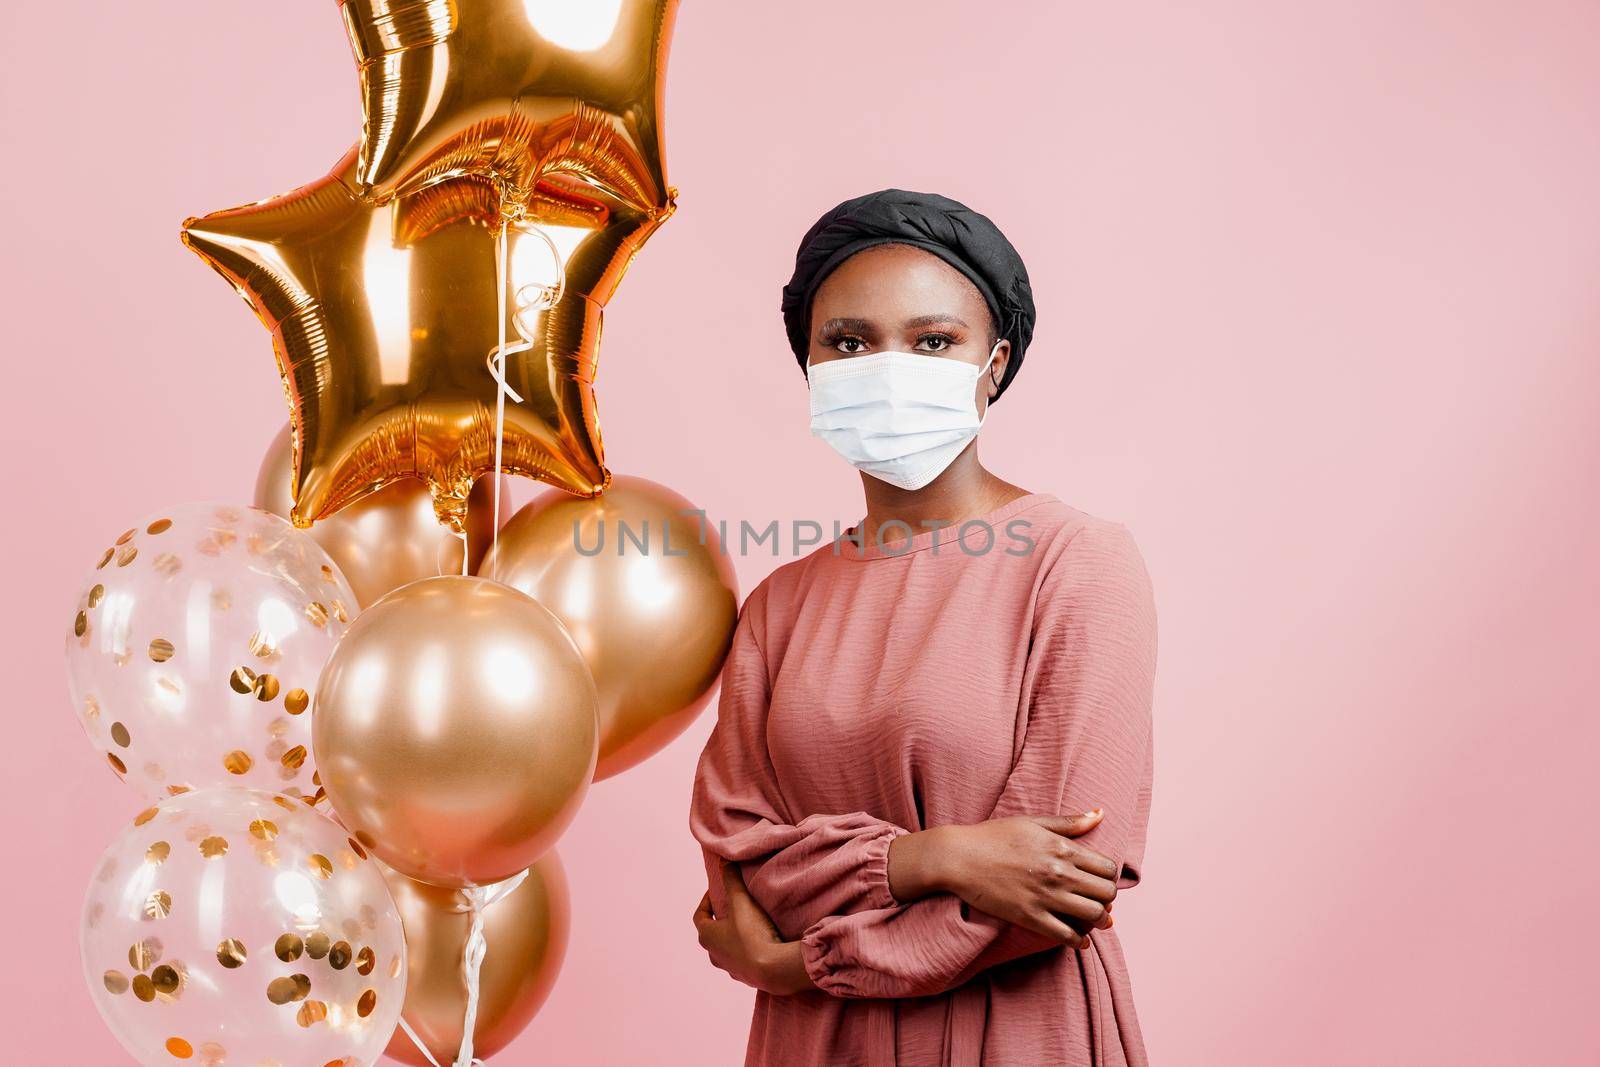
point(1318, 320)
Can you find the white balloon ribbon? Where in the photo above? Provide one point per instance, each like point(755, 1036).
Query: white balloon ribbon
point(475, 900)
point(532, 299)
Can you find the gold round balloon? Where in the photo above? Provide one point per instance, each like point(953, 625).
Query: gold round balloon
point(392, 537)
point(526, 936)
point(640, 580)
point(455, 730)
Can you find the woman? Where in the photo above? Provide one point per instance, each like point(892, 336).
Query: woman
point(930, 772)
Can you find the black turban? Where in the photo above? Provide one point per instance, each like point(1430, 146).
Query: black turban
point(955, 233)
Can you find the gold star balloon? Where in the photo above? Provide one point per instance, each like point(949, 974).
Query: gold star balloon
point(512, 88)
point(383, 297)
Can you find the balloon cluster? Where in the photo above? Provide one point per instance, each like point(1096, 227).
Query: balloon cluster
point(361, 711)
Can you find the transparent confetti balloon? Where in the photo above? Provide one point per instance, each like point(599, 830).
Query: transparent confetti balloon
point(195, 646)
point(234, 926)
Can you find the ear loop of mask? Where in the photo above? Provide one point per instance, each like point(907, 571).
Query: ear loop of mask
point(989, 363)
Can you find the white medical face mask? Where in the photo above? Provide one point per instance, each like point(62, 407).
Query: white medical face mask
point(899, 416)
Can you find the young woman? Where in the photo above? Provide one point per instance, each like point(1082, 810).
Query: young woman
point(930, 772)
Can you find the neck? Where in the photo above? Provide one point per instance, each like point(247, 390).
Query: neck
point(965, 490)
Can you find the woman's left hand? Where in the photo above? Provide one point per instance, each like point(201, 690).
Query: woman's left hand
point(745, 943)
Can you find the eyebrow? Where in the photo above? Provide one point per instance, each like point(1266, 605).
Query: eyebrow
point(910, 324)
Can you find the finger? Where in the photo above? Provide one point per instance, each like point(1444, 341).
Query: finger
point(1089, 885)
point(733, 880)
point(1046, 924)
point(1091, 862)
point(702, 912)
point(1070, 825)
point(1105, 920)
point(1081, 911)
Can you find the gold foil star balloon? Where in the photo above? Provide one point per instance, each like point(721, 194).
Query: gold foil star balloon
point(521, 89)
point(383, 297)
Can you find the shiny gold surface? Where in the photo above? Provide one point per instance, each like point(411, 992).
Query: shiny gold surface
point(455, 730)
point(526, 932)
point(388, 538)
point(378, 281)
point(653, 622)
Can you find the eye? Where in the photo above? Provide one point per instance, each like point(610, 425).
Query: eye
point(935, 342)
point(848, 345)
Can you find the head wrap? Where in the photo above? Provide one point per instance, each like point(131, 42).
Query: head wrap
point(955, 233)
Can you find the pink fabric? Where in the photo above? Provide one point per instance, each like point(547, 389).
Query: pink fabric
point(870, 693)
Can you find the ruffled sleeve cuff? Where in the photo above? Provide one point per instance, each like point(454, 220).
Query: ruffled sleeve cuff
point(874, 869)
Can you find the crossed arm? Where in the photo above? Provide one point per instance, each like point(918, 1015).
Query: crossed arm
point(859, 907)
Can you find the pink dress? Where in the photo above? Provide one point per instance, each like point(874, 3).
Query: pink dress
point(873, 692)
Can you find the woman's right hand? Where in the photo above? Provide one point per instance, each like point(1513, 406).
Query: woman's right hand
point(1025, 870)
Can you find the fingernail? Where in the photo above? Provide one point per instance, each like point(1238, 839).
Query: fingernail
point(1091, 813)
point(1110, 922)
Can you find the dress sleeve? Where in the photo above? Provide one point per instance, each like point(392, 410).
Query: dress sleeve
point(797, 871)
point(1089, 681)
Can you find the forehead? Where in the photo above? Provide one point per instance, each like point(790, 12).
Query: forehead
point(896, 279)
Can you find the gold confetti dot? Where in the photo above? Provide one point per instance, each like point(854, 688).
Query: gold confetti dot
point(177, 790)
point(368, 1001)
point(127, 535)
point(285, 803)
point(339, 956)
point(261, 645)
point(145, 816)
point(144, 954)
point(264, 829)
point(80, 625)
point(91, 708)
point(355, 847)
point(105, 559)
point(317, 945)
point(311, 1013)
point(339, 611)
point(295, 757)
point(242, 680)
point(266, 688)
point(221, 600)
point(167, 564)
point(231, 953)
point(214, 847)
point(116, 764)
point(119, 734)
point(320, 865)
point(161, 650)
point(317, 613)
point(95, 595)
point(166, 979)
point(296, 701)
point(128, 554)
point(158, 905)
point(116, 983)
point(289, 947)
point(328, 575)
point(366, 959)
point(160, 526)
point(237, 762)
point(179, 1048)
point(143, 988)
point(157, 853)
point(288, 990)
